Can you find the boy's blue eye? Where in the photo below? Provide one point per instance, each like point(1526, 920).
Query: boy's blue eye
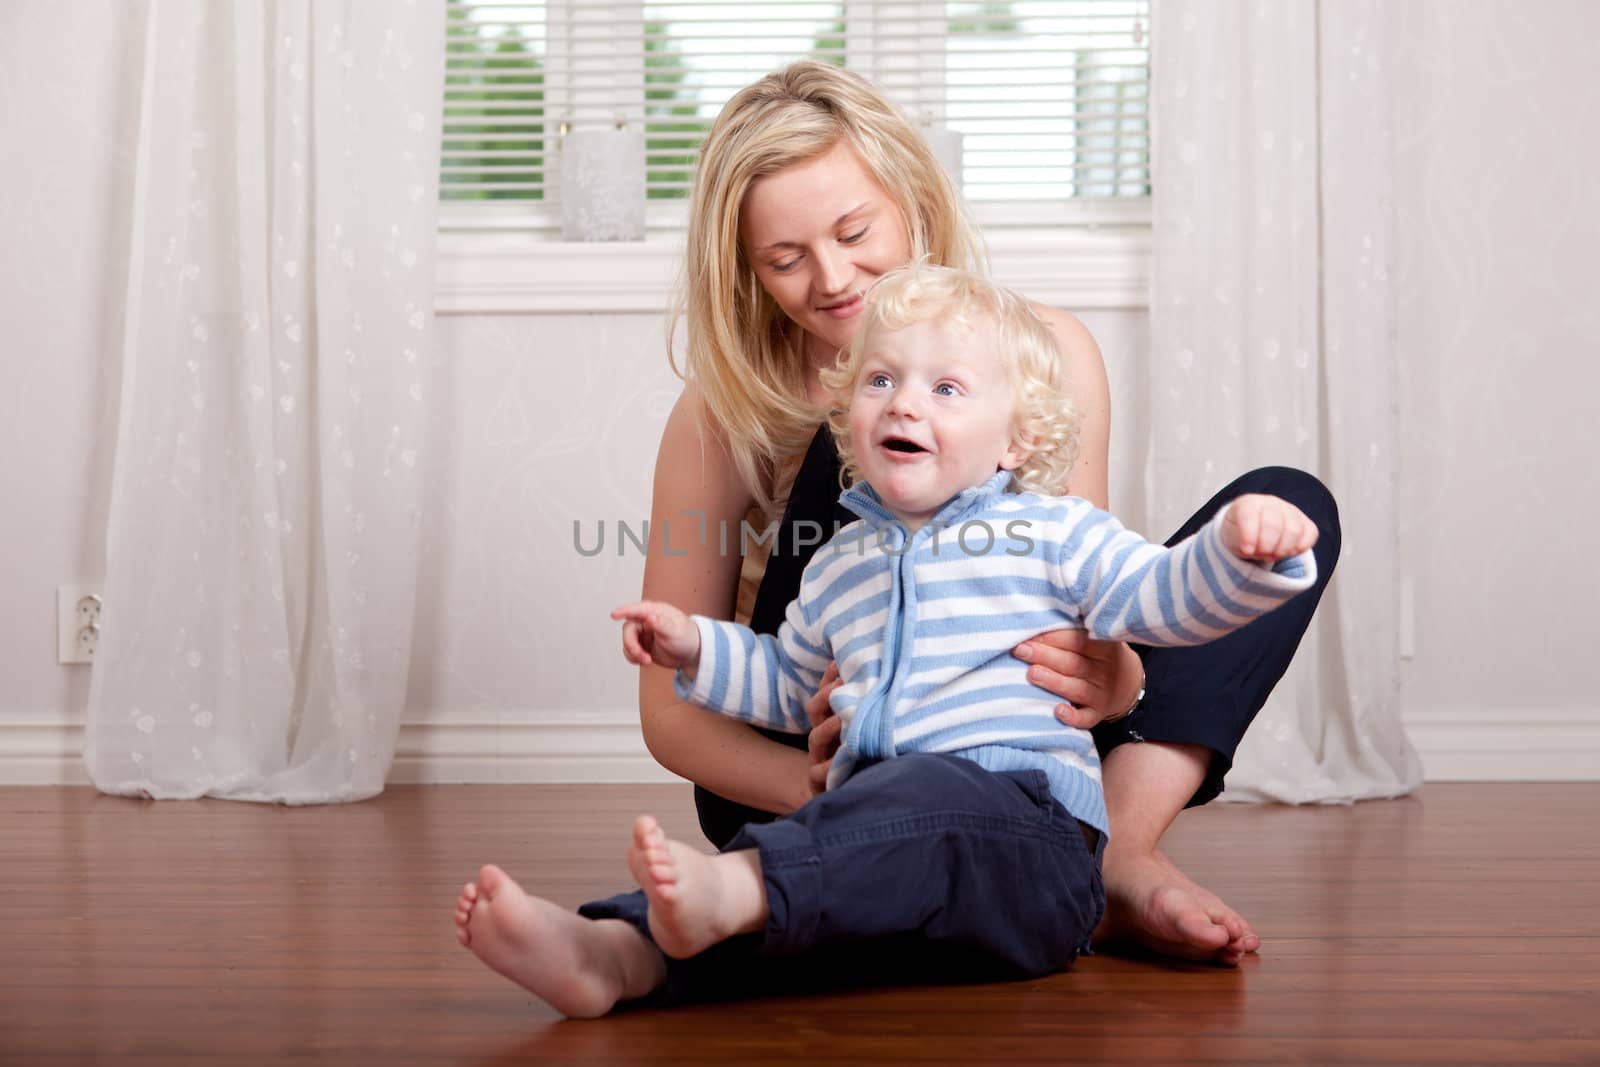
point(878, 381)
point(944, 389)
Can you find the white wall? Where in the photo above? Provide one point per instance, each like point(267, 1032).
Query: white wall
point(1499, 334)
point(548, 418)
point(66, 109)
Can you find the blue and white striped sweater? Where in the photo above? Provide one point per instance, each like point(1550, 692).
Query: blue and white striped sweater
point(923, 627)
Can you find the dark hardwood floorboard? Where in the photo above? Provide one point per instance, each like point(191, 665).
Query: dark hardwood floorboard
point(1457, 926)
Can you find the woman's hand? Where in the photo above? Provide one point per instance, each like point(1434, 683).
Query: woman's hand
point(826, 731)
point(1099, 679)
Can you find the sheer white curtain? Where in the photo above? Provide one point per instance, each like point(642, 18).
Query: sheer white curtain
point(261, 559)
point(1272, 342)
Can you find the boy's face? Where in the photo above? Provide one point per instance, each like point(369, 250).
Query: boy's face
point(931, 414)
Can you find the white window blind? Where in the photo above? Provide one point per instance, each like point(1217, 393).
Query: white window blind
point(1050, 96)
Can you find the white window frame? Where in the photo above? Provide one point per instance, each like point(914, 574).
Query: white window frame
point(507, 274)
point(1087, 256)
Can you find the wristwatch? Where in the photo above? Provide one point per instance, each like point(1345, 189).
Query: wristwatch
point(1138, 698)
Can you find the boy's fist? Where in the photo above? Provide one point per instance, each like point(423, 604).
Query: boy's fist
point(1266, 528)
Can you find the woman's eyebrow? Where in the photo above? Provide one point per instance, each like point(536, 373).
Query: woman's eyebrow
point(858, 209)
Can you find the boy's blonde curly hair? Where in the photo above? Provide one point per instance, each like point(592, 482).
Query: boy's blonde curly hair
point(1044, 418)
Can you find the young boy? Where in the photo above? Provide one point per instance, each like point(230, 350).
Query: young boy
point(958, 811)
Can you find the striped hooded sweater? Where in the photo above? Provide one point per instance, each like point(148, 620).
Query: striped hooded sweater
point(922, 627)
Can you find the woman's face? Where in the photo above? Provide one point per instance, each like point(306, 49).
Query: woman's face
point(818, 234)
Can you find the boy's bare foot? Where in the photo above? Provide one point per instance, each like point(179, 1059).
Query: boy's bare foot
point(1151, 902)
point(695, 900)
point(581, 967)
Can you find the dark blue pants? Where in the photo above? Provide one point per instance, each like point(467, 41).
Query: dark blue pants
point(923, 868)
point(1207, 695)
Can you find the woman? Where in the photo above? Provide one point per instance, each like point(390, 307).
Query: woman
point(810, 186)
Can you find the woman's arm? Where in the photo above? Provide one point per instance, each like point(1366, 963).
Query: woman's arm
point(1086, 383)
point(1098, 679)
point(695, 476)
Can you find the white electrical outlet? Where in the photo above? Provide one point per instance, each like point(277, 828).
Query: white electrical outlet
point(78, 609)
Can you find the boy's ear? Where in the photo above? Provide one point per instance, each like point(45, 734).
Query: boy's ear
point(1022, 446)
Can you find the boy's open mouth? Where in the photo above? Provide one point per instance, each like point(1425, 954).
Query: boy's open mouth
point(900, 444)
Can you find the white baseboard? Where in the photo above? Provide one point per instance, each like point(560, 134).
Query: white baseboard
point(433, 748)
point(532, 747)
point(1483, 745)
point(1500, 744)
point(42, 751)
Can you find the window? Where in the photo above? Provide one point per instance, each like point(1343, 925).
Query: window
point(1049, 99)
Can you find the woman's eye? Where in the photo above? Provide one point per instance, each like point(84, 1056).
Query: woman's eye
point(786, 265)
point(852, 238)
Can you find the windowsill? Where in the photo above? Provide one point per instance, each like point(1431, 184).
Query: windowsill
point(510, 273)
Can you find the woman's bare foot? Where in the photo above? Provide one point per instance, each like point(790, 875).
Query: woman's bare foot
point(695, 900)
point(1151, 902)
point(581, 967)
point(1148, 900)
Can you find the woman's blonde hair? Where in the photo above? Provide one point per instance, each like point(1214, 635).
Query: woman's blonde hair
point(1043, 418)
point(745, 355)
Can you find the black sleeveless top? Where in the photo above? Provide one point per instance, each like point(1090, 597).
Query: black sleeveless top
point(813, 500)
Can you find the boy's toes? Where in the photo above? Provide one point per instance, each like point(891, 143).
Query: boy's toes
point(647, 833)
point(650, 842)
point(491, 879)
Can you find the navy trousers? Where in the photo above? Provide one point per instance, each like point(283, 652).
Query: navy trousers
point(923, 868)
point(1207, 695)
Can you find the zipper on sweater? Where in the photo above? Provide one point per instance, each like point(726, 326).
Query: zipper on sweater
point(871, 733)
point(904, 637)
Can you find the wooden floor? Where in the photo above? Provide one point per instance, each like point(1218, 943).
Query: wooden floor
point(1457, 926)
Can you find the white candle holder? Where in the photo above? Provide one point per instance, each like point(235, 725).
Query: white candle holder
point(602, 185)
point(947, 145)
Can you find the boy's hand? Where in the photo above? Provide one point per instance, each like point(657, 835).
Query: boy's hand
point(654, 632)
point(1266, 528)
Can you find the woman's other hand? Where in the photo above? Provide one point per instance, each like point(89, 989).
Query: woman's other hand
point(826, 731)
point(1099, 680)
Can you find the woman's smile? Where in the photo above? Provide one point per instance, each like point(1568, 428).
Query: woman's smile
point(847, 308)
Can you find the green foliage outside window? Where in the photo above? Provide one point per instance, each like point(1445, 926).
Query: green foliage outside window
point(493, 75)
point(671, 117)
